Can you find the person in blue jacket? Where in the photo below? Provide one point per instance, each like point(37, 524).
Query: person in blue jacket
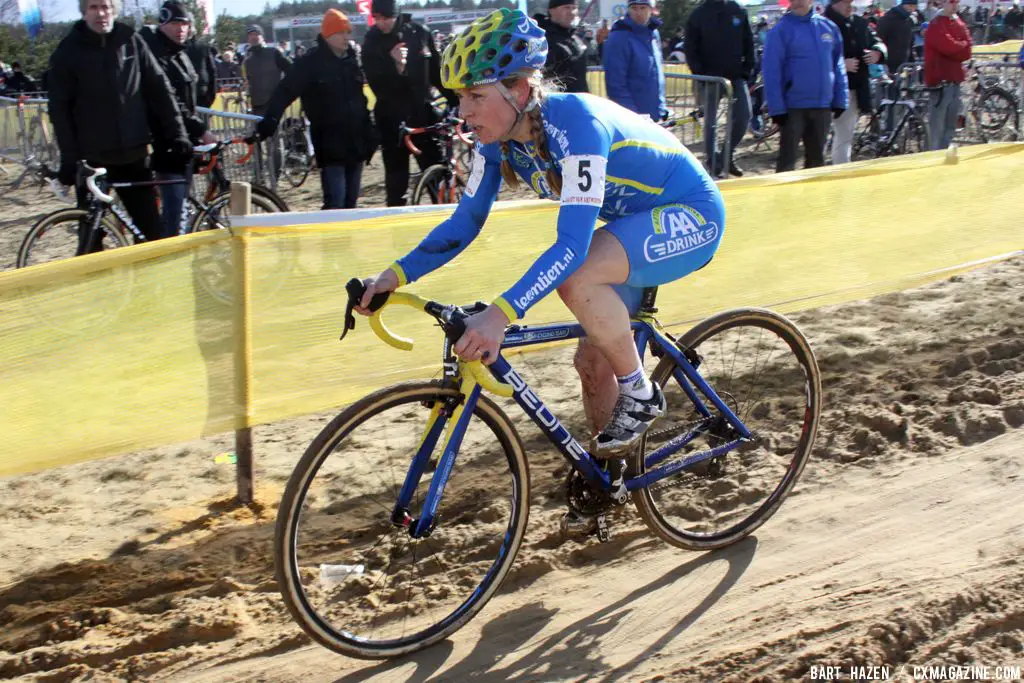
point(804, 82)
point(632, 62)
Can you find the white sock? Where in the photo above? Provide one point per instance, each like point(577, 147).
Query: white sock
point(636, 384)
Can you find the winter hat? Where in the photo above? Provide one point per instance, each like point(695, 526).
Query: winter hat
point(174, 11)
point(255, 28)
point(334, 21)
point(385, 8)
point(908, 2)
point(552, 4)
point(641, 2)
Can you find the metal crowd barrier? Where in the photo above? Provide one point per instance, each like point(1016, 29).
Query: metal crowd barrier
point(688, 97)
point(25, 132)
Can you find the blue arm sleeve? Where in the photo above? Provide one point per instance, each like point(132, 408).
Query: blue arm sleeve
point(583, 180)
point(841, 87)
point(451, 237)
point(662, 103)
point(771, 68)
point(616, 69)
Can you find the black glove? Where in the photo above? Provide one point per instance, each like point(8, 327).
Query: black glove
point(780, 119)
point(837, 112)
point(179, 152)
point(67, 175)
point(265, 128)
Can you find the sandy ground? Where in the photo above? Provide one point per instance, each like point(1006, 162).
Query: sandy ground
point(900, 547)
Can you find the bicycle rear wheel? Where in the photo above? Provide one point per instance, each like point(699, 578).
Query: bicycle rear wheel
point(361, 585)
point(762, 367)
point(55, 237)
point(437, 186)
point(997, 114)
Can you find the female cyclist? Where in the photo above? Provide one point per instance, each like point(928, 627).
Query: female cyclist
point(664, 215)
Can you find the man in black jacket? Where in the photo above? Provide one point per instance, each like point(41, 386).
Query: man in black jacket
point(719, 42)
point(861, 48)
point(329, 80)
point(402, 66)
point(896, 29)
point(107, 95)
point(167, 44)
point(567, 53)
point(202, 57)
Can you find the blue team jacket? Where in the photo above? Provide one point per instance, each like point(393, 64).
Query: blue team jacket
point(803, 65)
point(632, 67)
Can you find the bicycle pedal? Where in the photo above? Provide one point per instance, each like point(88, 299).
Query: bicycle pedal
point(577, 526)
point(603, 533)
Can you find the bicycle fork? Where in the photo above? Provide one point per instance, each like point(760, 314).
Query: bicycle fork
point(457, 422)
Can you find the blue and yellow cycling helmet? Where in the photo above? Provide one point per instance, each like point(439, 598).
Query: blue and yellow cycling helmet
point(493, 48)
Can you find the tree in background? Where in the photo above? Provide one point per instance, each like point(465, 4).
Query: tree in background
point(199, 18)
point(674, 13)
point(228, 29)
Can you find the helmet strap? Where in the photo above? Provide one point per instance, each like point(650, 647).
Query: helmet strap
point(520, 113)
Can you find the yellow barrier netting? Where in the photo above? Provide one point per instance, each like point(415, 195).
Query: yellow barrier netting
point(133, 348)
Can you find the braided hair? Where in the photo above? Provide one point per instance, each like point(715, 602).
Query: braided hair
point(540, 141)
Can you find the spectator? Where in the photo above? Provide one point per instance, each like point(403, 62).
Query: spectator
point(202, 57)
point(861, 48)
point(947, 45)
point(1015, 22)
point(567, 58)
point(167, 44)
point(720, 43)
point(264, 68)
point(804, 80)
point(227, 68)
point(19, 82)
point(329, 79)
point(600, 37)
point(103, 72)
point(632, 62)
point(896, 31)
point(401, 65)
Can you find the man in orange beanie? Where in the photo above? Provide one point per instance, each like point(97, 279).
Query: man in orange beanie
point(329, 79)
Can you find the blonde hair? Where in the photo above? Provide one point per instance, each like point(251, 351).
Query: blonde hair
point(540, 139)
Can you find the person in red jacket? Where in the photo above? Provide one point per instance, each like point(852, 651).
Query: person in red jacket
point(947, 45)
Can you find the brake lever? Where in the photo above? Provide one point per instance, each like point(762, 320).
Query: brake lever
point(356, 289)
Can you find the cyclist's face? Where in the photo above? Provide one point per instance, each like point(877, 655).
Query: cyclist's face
point(99, 15)
point(176, 30)
point(487, 112)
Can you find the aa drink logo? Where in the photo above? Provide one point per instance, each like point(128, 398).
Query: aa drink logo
point(677, 230)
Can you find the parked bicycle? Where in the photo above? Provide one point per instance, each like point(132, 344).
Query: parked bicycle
point(103, 224)
point(406, 512)
point(895, 126)
point(992, 107)
point(444, 182)
point(298, 158)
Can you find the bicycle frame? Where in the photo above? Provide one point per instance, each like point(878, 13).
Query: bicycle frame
point(646, 332)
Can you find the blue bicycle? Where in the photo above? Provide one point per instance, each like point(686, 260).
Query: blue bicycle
point(407, 511)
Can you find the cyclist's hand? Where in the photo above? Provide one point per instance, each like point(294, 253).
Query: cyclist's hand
point(208, 138)
point(387, 281)
point(484, 333)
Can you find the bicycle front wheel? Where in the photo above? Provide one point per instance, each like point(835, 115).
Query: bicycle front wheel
point(55, 237)
point(762, 367)
point(361, 585)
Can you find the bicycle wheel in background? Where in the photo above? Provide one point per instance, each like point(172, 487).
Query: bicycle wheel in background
point(997, 115)
point(296, 161)
point(763, 368)
point(41, 146)
point(438, 186)
point(912, 138)
point(55, 237)
point(361, 585)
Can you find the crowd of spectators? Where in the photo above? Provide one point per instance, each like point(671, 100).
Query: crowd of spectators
point(815, 64)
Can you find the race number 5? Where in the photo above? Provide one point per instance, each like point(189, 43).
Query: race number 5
point(583, 179)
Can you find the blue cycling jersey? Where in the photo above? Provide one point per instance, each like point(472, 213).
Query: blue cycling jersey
point(613, 162)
